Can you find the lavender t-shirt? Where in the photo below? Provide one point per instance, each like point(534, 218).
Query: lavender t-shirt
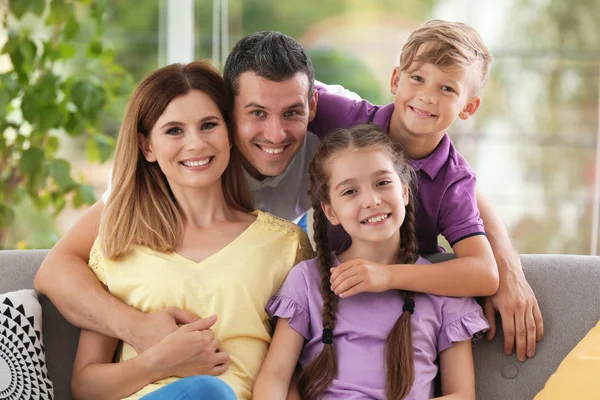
point(363, 323)
point(446, 187)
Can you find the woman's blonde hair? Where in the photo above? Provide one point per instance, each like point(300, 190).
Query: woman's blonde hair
point(141, 209)
point(450, 45)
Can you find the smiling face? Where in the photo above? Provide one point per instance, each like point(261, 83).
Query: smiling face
point(366, 195)
point(271, 119)
point(189, 142)
point(428, 99)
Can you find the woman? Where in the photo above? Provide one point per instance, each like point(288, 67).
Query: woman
point(177, 231)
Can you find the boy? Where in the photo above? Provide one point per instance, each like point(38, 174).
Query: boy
point(442, 68)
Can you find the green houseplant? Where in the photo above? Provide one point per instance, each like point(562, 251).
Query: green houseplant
point(58, 78)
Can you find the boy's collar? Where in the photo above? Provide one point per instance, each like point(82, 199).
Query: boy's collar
point(433, 163)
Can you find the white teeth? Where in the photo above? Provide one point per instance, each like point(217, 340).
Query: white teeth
point(422, 113)
point(196, 163)
point(272, 151)
point(376, 219)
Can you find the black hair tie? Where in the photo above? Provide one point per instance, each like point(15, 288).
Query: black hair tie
point(409, 305)
point(327, 336)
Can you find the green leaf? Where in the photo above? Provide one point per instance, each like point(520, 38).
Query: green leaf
point(12, 44)
point(66, 51)
point(36, 6)
point(98, 8)
point(51, 147)
point(74, 125)
point(29, 106)
point(21, 71)
point(20, 140)
point(99, 148)
point(41, 200)
point(4, 101)
point(39, 104)
point(95, 48)
point(59, 203)
point(92, 152)
point(7, 215)
point(60, 170)
point(18, 8)
point(22, 60)
point(60, 11)
point(49, 117)
point(71, 28)
point(85, 195)
point(31, 162)
point(46, 87)
point(9, 83)
point(105, 144)
point(28, 50)
point(89, 98)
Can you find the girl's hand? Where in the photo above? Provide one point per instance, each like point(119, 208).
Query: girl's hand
point(357, 276)
point(190, 350)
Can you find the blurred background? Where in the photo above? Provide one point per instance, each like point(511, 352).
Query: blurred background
point(533, 143)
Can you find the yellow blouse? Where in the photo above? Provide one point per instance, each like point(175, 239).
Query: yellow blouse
point(235, 283)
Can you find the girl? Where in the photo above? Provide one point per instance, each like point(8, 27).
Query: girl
point(177, 231)
point(360, 180)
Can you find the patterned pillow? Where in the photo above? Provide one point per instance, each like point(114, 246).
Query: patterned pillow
point(23, 373)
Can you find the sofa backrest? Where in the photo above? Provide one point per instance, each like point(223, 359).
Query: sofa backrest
point(17, 270)
point(567, 288)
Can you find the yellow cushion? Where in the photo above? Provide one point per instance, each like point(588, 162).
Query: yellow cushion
point(578, 375)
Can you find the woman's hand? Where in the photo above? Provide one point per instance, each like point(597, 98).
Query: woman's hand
point(190, 350)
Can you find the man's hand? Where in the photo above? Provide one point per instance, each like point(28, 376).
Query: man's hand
point(155, 326)
point(192, 349)
point(521, 316)
point(357, 276)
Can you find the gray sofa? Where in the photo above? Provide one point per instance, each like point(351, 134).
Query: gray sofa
point(567, 287)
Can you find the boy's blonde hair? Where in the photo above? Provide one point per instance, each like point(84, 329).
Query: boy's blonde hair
point(450, 45)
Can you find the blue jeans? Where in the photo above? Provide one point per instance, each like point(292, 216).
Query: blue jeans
point(199, 387)
point(303, 222)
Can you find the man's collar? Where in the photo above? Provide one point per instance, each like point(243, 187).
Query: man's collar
point(433, 163)
point(271, 181)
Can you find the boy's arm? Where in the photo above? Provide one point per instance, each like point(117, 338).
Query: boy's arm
point(66, 279)
point(338, 90)
point(335, 112)
point(472, 273)
point(515, 301)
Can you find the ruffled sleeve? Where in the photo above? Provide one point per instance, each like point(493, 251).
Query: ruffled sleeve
point(284, 307)
point(469, 325)
point(293, 298)
point(96, 262)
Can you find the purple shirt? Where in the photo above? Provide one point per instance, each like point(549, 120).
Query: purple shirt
point(362, 327)
point(446, 187)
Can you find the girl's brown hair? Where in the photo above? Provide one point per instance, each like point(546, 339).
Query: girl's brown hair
point(141, 209)
point(320, 372)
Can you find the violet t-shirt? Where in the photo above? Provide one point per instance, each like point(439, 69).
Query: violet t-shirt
point(362, 325)
point(446, 186)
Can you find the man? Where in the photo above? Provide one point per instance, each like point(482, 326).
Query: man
point(270, 78)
